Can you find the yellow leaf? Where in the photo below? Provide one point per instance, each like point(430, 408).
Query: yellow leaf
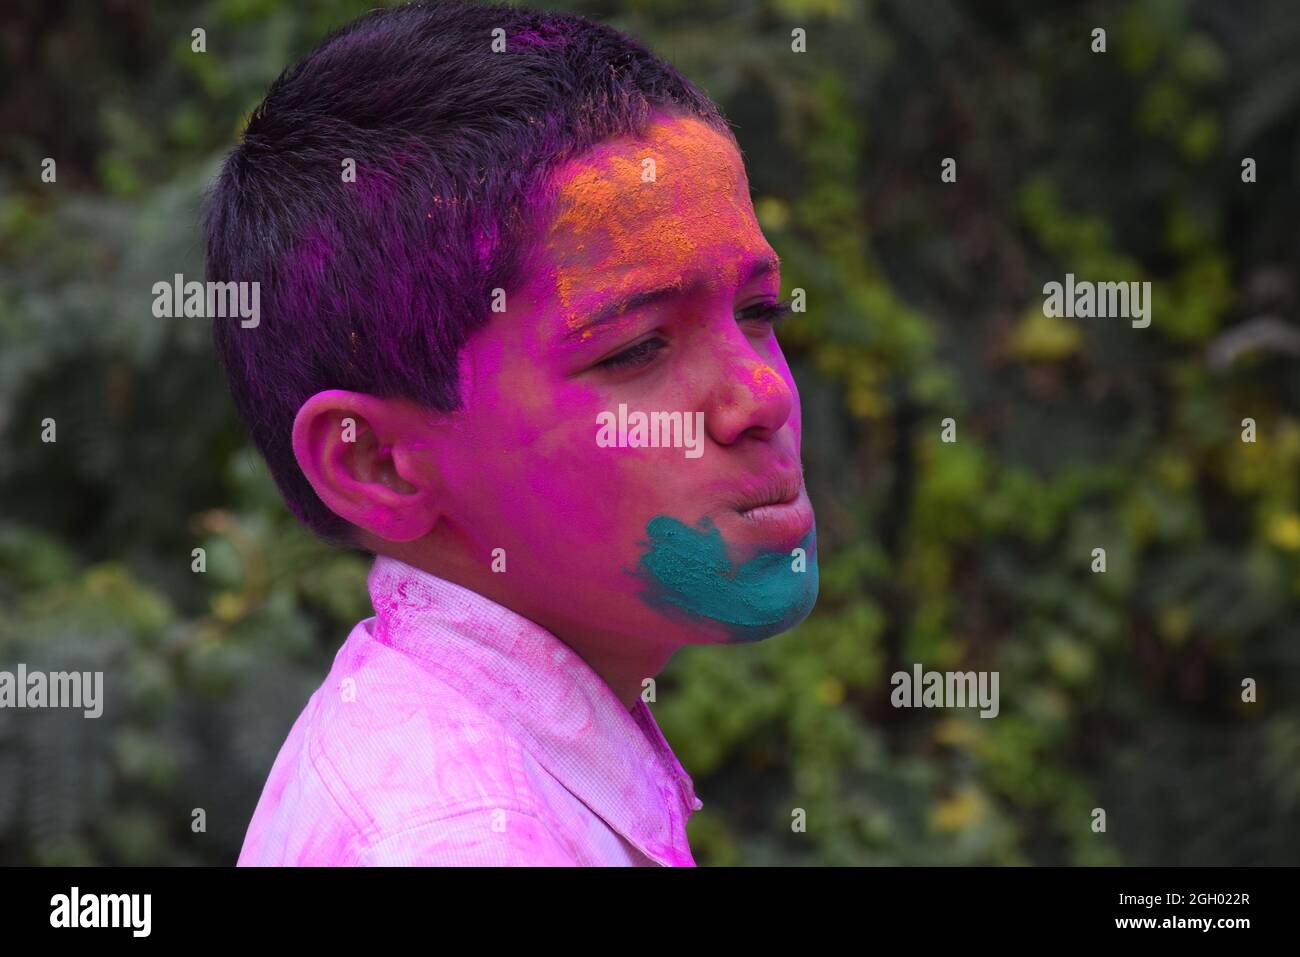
point(1284, 531)
point(1043, 338)
point(958, 812)
point(773, 213)
point(830, 691)
point(958, 734)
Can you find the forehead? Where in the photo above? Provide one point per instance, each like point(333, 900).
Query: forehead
point(637, 211)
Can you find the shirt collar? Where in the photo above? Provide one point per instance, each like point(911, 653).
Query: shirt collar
point(616, 762)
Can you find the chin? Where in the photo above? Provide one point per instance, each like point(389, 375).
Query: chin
point(799, 609)
point(687, 575)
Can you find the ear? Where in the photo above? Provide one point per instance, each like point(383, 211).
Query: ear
point(368, 459)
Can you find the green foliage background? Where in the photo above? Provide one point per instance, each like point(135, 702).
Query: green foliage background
point(1119, 690)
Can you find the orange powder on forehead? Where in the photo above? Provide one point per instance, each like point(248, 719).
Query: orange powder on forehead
point(609, 217)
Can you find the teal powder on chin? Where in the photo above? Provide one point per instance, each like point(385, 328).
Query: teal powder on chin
point(686, 569)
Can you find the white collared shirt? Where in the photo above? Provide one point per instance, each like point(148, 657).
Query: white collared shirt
point(453, 731)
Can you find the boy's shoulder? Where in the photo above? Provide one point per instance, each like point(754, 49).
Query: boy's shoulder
point(388, 764)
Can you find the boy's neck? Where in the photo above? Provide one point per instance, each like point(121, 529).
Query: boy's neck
point(623, 667)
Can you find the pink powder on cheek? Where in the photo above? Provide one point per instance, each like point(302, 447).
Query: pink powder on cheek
point(519, 403)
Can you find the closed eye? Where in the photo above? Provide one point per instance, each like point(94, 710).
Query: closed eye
point(769, 313)
point(637, 355)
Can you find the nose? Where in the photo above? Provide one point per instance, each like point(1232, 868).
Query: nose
point(750, 398)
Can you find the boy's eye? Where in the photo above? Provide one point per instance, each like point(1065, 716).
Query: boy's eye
point(769, 312)
point(643, 352)
point(637, 355)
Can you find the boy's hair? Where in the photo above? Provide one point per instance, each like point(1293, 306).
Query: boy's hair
point(375, 285)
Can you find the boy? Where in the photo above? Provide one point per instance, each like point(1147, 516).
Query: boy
point(525, 355)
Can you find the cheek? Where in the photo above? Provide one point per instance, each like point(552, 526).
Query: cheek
point(544, 472)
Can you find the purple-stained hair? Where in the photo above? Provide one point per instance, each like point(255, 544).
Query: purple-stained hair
point(375, 285)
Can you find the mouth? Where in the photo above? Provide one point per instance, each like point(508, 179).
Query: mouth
point(778, 490)
point(778, 509)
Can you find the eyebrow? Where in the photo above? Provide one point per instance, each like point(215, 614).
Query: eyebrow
point(606, 313)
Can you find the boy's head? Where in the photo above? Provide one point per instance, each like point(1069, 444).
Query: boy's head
point(529, 345)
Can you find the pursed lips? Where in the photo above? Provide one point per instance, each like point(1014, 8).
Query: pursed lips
point(775, 490)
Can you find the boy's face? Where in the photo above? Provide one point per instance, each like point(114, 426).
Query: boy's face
point(601, 530)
